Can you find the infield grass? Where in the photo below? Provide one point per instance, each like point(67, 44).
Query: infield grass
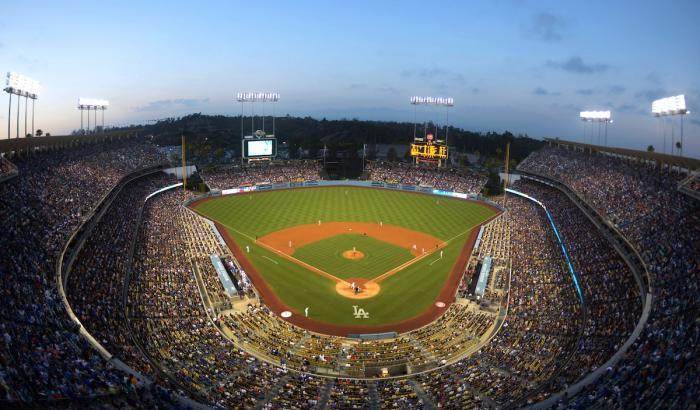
point(403, 295)
point(378, 257)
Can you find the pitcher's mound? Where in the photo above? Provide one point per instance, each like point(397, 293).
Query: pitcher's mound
point(367, 289)
point(353, 255)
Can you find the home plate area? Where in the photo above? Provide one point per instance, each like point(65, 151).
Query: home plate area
point(357, 288)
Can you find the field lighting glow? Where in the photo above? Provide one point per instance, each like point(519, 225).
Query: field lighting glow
point(595, 115)
point(257, 97)
point(443, 101)
point(669, 106)
point(93, 103)
point(22, 85)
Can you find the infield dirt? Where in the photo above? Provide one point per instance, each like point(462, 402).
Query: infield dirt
point(417, 242)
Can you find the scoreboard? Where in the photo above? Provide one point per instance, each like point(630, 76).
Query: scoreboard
point(429, 150)
point(259, 147)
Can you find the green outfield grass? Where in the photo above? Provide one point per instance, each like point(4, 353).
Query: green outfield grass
point(402, 296)
point(378, 258)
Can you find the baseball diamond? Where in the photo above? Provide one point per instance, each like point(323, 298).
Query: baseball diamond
point(298, 237)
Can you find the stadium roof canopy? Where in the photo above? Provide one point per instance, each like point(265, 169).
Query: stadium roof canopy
point(665, 159)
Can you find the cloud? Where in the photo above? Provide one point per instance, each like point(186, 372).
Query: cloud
point(653, 78)
point(628, 108)
point(585, 91)
point(541, 91)
point(434, 74)
point(651, 94)
point(475, 90)
point(356, 86)
point(387, 89)
point(576, 65)
point(616, 89)
point(547, 27)
point(695, 121)
point(625, 107)
point(177, 103)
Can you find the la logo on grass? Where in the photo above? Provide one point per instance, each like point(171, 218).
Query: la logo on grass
point(360, 313)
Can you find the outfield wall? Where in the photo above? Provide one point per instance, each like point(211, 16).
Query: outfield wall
point(354, 183)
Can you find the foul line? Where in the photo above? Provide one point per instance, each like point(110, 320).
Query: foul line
point(460, 234)
point(336, 279)
point(288, 257)
point(271, 260)
point(395, 270)
point(431, 263)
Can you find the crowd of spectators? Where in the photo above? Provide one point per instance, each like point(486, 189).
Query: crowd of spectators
point(448, 179)
point(43, 359)
point(547, 341)
point(661, 367)
point(231, 176)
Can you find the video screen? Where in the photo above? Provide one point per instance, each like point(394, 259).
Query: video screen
point(260, 148)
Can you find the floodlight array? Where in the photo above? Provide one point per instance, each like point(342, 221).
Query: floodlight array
point(600, 116)
point(22, 85)
point(257, 97)
point(442, 101)
point(92, 103)
point(669, 106)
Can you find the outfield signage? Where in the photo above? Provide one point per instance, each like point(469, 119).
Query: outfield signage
point(450, 194)
point(238, 190)
point(376, 184)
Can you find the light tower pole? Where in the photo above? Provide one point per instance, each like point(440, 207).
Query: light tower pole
point(21, 86)
point(669, 107)
point(252, 98)
point(92, 104)
point(597, 117)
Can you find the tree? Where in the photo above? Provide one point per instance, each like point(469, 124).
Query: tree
point(650, 148)
point(678, 146)
point(48, 134)
point(39, 132)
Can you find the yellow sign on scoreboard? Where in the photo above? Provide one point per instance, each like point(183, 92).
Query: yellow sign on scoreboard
point(429, 151)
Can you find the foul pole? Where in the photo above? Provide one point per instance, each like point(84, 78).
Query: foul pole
point(184, 166)
point(507, 168)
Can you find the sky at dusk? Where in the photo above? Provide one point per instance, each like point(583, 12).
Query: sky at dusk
point(524, 66)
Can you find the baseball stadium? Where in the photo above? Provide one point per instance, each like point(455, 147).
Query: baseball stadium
point(277, 288)
point(279, 252)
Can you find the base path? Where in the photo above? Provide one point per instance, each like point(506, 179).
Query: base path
point(301, 235)
point(285, 241)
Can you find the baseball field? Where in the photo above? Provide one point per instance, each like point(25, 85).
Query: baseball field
point(360, 259)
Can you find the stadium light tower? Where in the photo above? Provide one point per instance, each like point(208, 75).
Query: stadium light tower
point(446, 102)
point(669, 107)
point(252, 98)
point(598, 117)
point(92, 104)
point(21, 86)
